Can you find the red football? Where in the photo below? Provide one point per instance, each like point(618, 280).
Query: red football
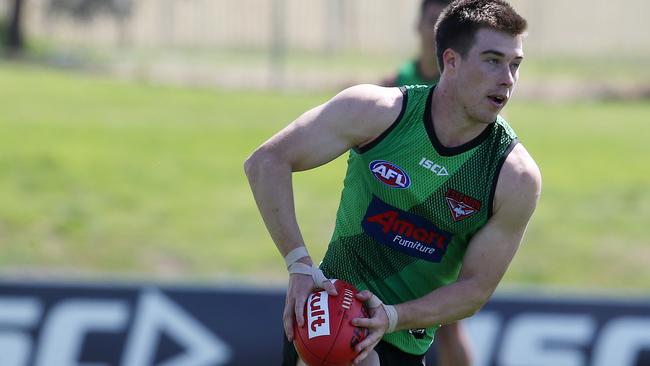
point(328, 338)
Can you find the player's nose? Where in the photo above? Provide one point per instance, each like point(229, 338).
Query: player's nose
point(507, 77)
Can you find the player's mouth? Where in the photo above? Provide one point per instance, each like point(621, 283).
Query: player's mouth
point(498, 100)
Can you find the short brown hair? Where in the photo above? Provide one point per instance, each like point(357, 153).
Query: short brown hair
point(457, 25)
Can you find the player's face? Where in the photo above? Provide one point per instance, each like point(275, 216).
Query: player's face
point(488, 73)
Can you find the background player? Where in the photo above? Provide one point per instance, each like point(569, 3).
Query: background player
point(422, 70)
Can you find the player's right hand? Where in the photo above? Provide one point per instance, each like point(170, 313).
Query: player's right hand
point(377, 324)
point(300, 286)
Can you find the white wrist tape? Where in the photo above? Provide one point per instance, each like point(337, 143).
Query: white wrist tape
point(299, 267)
point(294, 255)
point(390, 310)
point(392, 317)
point(313, 271)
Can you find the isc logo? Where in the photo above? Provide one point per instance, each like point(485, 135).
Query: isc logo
point(390, 174)
point(318, 315)
point(436, 168)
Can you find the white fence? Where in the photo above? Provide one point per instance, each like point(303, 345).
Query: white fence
point(556, 26)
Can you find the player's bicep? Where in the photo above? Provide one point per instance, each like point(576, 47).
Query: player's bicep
point(354, 116)
point(313, 139)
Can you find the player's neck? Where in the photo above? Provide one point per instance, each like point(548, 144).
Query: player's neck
point(452, 125)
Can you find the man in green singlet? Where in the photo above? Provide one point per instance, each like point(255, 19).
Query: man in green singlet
point(423, 70)
point(437, 194)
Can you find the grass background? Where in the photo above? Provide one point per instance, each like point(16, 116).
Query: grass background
point(108, 178)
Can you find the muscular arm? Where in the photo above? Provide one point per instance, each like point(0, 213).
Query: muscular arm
point(353, 117)
point(489, 252)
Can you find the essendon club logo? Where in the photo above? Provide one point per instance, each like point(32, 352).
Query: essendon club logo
point(405, 231)
point(390, 174)
point(461, 205)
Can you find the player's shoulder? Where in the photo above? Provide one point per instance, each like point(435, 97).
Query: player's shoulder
point(520, 182)
point(369, 100)
point(371, 93)
point(364, 111)
point(520, 170)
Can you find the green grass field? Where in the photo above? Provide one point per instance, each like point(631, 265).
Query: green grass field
point(122, 179)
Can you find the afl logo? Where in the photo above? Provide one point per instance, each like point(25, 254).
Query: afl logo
point(390, 174)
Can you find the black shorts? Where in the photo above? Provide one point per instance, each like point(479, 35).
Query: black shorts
point(389, 355)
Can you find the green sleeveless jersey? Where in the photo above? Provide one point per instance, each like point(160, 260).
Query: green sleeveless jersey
point(410, 206)
point(409, 74)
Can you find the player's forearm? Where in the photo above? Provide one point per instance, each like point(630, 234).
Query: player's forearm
point(270, 181)
point(444, 305)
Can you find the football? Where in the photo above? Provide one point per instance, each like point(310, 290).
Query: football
point(328, 337)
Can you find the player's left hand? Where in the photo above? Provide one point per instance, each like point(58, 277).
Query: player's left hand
point(377, 325)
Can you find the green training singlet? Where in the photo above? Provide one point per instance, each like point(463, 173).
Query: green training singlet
point(409, 74)
point(410, 206)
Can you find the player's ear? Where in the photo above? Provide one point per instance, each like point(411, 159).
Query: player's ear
point(450, 59)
